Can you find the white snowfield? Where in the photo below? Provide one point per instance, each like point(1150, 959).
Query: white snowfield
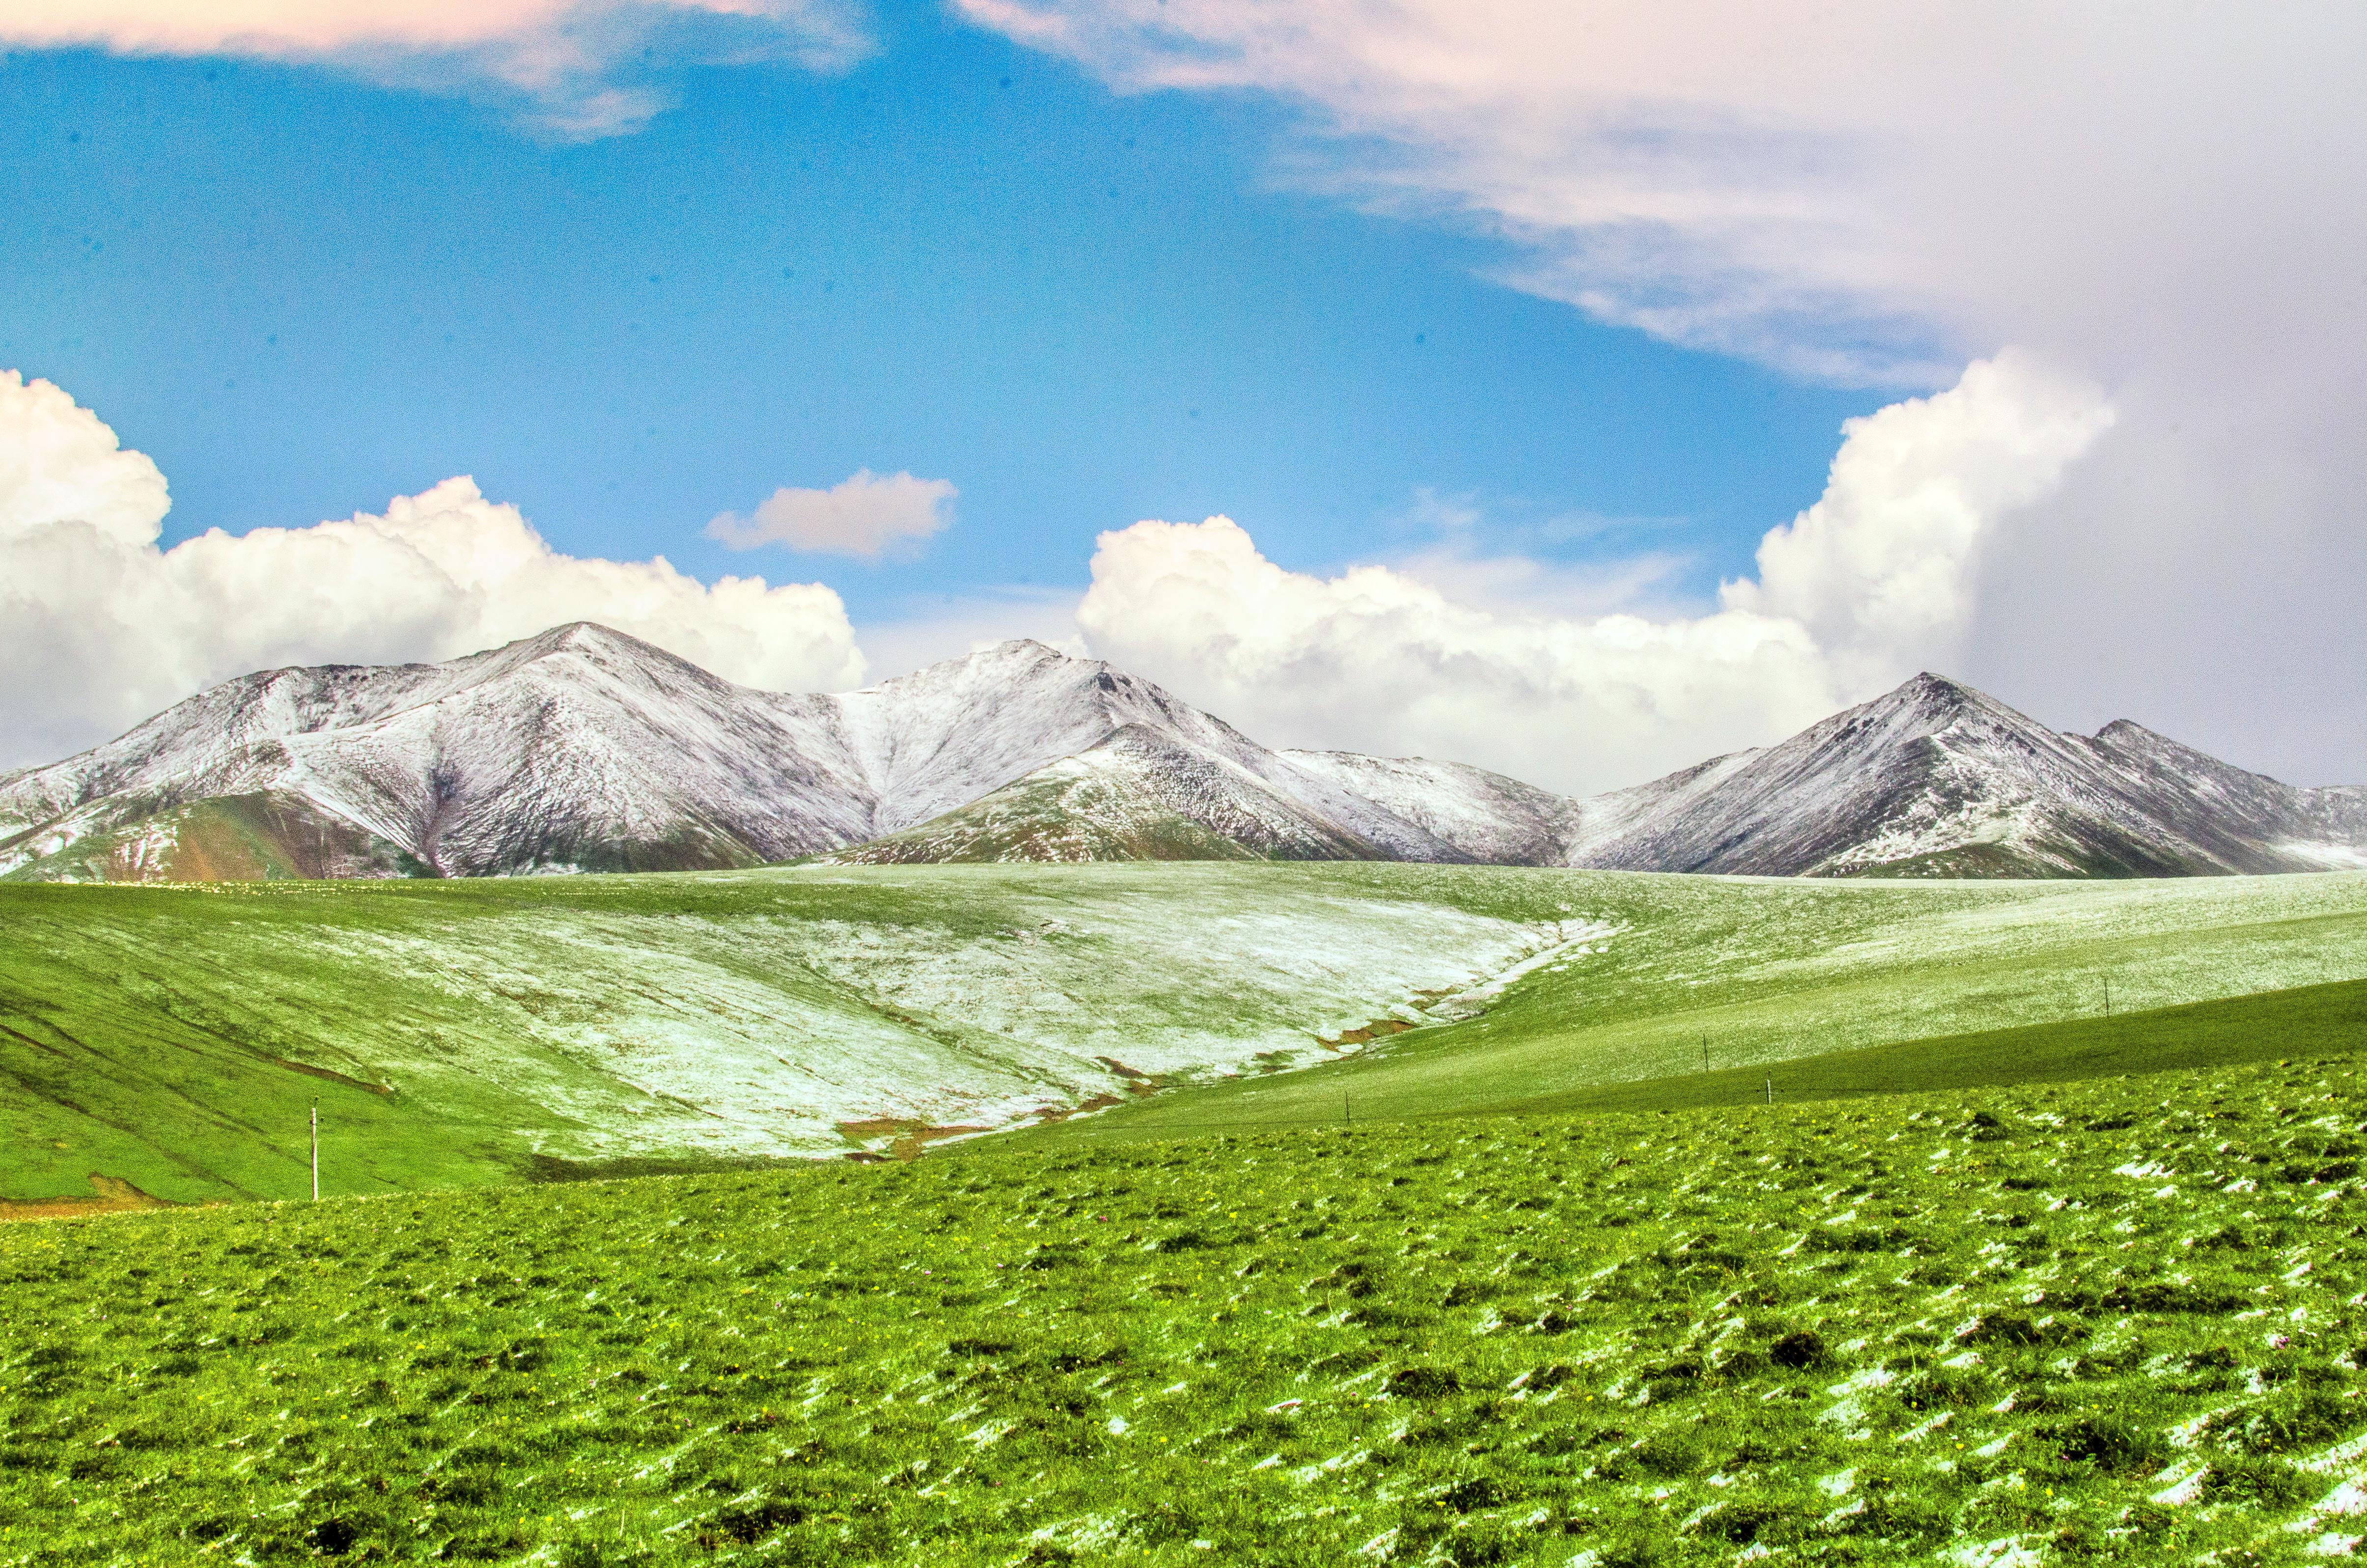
point(583, 749)
point(787, 1035)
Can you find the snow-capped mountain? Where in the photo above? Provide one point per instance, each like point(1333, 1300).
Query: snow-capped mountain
point(579, 748)
point(1144, 793)
point(1931, 780)
point(583, 749)
point(1937, 780)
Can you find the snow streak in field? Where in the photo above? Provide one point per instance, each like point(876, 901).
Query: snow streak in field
point(762, 1035)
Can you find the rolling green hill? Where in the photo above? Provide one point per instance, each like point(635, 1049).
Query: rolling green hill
point(1751, 973)
point(461, 1033)
point(2067, 1289)
point(2315, 1021)
point(479, 1031)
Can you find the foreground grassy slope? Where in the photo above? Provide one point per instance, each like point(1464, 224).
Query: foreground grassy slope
point(1767, 971)
point(2110, 1321)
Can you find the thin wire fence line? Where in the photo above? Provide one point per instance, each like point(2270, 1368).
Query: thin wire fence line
point(1344, 1126)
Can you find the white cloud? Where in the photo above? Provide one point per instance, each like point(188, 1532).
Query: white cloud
point(1885, 564)
point(865, 514)
point(560, 57)
point(99, 629)
point(1855, 593)
point(1846, 186)
point(2171, 198)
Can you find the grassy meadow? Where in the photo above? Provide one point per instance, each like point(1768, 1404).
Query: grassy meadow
point(2108, 1319)
point(2309, 1020)
point(1752, 975)
point(168, 1040)
point(1996, 1281)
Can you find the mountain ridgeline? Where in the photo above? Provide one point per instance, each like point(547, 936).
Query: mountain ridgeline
point(585, 750)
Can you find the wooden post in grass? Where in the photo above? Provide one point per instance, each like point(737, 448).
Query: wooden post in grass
point(1771, 1091)
point(316, 1151)
point(2108, 996)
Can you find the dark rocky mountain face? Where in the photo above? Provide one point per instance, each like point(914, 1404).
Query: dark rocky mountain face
point(583, 749)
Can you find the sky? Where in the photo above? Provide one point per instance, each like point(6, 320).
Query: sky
point(1571, 389)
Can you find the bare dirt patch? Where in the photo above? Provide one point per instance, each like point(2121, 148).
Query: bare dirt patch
point(906, 1138)
point(109, 1195)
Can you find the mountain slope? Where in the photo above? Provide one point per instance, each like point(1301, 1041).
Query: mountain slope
point(1935, 778)
point(583, 749)
point(1136, 795)
point(577, 749)
point(1483, 816)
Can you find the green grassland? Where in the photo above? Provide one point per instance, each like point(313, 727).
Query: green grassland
point(2309, 1020)
point(1757, 973)
point(474, 1033)
point(2112, 1320)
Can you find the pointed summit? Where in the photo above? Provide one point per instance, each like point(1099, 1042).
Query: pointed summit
point(591, 640)
point(1932, 701)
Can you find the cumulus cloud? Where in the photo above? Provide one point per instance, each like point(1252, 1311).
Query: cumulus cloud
point(560, 57)
point(865, 514)
point(1884, 567)
point(1853, 594)
point(99, 629)
point(2172, 199)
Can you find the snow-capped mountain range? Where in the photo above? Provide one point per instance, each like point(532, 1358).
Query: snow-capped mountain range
point(583, 749)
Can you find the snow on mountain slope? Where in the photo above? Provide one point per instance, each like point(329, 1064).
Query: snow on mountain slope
point(1937, 780)
point(949, 735)
point(943, 737)
point(1486, 816)
point(1933, 778)
point(1138, 795)
point(1603, 823)
point(2246, 820)
point(583, 749)
point(577, 748)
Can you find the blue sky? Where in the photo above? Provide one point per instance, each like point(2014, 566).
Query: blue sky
point(302, 292)
point(1596, 387)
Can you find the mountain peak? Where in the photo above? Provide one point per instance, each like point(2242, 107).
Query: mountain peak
point(1019, 650)
point(993, 660)
point(587, 636)
point(1933, 693)
point(612, 652)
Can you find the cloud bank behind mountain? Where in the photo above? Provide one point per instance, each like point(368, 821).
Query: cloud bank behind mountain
point(99, 628)
point(2171, 202)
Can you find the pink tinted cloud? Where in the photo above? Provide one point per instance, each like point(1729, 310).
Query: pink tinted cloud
point(555, 54)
